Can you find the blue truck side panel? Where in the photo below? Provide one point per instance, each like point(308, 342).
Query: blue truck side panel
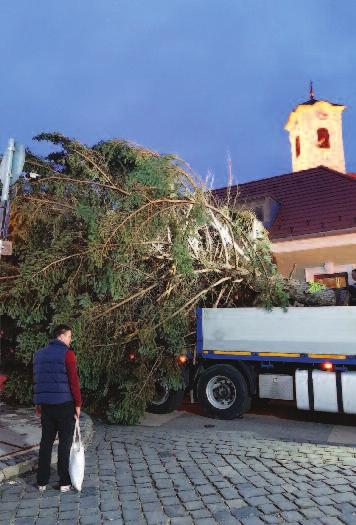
point(351, 360)
point(199, 325)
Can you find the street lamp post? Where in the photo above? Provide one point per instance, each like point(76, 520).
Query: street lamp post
point(10, 170)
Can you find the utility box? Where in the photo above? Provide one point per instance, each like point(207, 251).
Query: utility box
point(276, 386)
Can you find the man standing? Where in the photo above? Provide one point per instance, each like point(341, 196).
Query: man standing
point(57, 397)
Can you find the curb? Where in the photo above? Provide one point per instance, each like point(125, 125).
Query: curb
point(23, 462)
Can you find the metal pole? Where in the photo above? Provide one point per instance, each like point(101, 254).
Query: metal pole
point(9, 157)
point(6, 187)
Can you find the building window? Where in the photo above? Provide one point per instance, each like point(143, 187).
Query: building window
point(323, 138)
point(297, 146)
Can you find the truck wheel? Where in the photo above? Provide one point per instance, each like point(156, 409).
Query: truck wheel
point(165, 400)
point(223, 393)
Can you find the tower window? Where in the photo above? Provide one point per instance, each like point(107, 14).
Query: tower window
point(297, 146)
point(323, 138)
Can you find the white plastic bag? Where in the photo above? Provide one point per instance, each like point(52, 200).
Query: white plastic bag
point(77, 459)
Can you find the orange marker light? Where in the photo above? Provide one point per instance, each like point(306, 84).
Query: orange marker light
point(328, 367)
point(182, 359)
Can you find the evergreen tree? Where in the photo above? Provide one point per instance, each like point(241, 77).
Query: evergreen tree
point(123, 244)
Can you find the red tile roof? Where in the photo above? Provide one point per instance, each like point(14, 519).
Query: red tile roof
point(313, 201)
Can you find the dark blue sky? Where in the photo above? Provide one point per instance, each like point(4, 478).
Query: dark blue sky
point(194, 77)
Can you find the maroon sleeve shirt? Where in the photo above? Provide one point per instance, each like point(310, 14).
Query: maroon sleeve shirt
point(73, 379)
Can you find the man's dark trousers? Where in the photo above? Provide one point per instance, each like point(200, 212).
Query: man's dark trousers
point(56, 418)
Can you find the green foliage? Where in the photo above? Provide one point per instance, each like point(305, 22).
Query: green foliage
point(28, 343)
point(18, 387)
point(181, 256)
point(123, 244)
point(315, 287)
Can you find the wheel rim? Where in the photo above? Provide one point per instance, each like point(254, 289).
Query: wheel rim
point(162, 393)
point(221, 392)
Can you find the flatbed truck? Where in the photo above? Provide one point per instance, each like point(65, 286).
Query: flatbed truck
point(306, 355)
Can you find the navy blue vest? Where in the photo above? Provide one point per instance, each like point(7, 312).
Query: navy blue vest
point(51, 384)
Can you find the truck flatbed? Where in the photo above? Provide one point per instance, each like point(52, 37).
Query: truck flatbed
point(296, 334)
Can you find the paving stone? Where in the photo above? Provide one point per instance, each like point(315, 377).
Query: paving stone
point(48, 512)
point(162, 493)
point(9, 505)
point(252, 520)
point(94, 519)
point(130, 496)
point(282, 503)
point(24, 503)
point(152, 506)
point(267, 508)
point(305, 502)
point(244, 512)
point(205, 521)
point(329, 510)
point(236, 503)
point(170, 500)
point(211, 498)
point(47, 521)
point(201, 513)
point(194, 505)
point(229, 493)
point(225, 518)
point(274, 519)
point(348, 519)
point(174, 511)
point(155, 518)
point(292, 515)
point(346, 508)
point(343, 497)
point(47, 503)
point(23, 521)
point(323, 500)
point(250, 492)
point(217, 507)
point(27, 511)
point(257, 501)
point(312, 512)
point(111, 515)
point(206, 490)
point(186, 495)
point(181, 521)
point(331, 520)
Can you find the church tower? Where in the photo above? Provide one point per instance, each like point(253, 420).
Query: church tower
point(315, 134)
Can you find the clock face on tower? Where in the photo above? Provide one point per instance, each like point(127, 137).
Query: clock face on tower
point(322, 115)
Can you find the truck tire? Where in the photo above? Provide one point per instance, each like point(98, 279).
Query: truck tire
point(223, 392)
point(166, 400)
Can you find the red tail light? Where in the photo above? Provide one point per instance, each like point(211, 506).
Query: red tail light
point(328, 367)
point(182, 359)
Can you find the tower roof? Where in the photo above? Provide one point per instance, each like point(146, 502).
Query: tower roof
point(312, 100)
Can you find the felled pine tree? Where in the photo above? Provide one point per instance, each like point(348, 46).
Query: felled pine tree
point(123, 244)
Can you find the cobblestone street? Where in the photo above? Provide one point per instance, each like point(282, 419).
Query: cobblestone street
point(159, 476)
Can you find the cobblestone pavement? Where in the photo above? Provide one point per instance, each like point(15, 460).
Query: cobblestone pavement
point(160, 476)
